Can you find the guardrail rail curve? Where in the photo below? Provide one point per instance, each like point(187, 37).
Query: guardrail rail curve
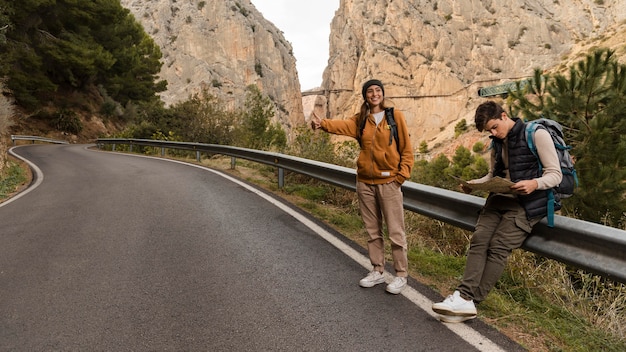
point(592, 247)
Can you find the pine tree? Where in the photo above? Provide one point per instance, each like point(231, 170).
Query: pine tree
point(202, 119)
point(423, 148)
point(255, 129)
point(590, 103)
point(70, 45)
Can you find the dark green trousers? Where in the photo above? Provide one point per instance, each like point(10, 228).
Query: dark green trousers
point(502, 226)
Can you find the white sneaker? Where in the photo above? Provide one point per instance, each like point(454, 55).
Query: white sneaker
point(455, 305)
point(372, 279)
point(396, 285)
point(455, 318)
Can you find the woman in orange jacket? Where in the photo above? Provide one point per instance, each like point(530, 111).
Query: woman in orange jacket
point(384, 163)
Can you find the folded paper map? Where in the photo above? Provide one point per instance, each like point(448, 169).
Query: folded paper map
point(496, 185)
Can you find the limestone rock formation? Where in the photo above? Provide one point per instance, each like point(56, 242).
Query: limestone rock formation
point(223, 46)
point(434, 55)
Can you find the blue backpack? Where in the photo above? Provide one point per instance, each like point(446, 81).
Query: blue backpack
point(565, 189)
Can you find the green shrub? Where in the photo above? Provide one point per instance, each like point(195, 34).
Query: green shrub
point(11, 178)
point(67, 121)
point(460, 128)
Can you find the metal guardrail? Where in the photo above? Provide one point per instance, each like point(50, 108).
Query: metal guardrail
point(36, 139)
point(593, 247)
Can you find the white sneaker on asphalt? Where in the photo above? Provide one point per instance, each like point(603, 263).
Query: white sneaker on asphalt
point(396, 285)
point(455, 318)
point(372, 279)
point(455, 305)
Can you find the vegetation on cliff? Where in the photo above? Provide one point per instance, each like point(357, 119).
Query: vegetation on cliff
point(69, 47)
point(590, 103)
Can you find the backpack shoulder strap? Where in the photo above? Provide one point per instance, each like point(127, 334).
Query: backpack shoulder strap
point(531, 127)
point(391, 121)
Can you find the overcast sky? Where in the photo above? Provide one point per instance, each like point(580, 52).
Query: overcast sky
point(306, 25)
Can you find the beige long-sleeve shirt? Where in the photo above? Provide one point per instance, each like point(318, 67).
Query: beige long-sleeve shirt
point(551, 176)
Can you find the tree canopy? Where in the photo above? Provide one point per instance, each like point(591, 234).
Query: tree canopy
point(590, 103)
point(255, 128)
point(69, 45)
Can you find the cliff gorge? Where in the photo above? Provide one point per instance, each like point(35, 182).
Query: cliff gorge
point(434, 55)
point(223, 46)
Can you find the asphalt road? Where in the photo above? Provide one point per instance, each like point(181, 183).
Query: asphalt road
point(111, 252)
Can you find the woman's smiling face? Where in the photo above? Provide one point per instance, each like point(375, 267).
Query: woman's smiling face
point(374, 95)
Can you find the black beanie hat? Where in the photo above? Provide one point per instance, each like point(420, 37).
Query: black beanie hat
point(372, 82)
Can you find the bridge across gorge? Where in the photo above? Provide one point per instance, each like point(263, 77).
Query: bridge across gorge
point(486, 91)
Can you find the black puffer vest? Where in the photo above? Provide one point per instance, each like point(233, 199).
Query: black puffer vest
point(523, 165)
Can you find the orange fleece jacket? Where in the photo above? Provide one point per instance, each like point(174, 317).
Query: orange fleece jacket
point(378, 162)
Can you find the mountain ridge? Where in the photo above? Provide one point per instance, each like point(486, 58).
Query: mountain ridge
point(434, 55)
point(223, 47)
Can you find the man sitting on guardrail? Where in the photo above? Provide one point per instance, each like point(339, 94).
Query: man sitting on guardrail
point(506, 218)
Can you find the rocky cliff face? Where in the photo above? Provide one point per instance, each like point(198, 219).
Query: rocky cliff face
point(434, 55)
point(223, 46)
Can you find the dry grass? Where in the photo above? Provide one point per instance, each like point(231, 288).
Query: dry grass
point(596, 304)
point(6, 121)
point(6, 112)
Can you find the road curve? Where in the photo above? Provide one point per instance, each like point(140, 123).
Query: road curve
point(113, 252)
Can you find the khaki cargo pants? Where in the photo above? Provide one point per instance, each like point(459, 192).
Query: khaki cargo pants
point(502, 226)
point(378, 202)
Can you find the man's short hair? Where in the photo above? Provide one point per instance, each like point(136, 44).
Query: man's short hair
point(486, 111)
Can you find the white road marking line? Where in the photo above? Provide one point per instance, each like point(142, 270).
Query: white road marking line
point(468, 334)
point(38, 179)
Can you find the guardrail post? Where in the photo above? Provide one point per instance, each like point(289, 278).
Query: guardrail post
point(162, 151)
point(233, 162)
point(130, 147)
point(113, 148)
point(281, 178)
point(197, 155)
